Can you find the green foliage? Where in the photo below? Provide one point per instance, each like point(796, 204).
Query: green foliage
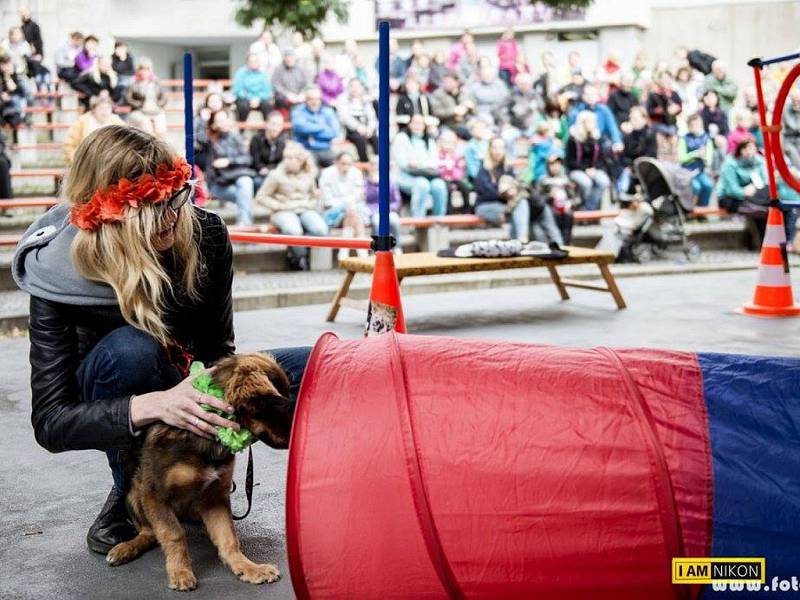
point(305, 16)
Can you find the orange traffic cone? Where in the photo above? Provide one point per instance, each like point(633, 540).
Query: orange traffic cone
point(385, 308)
point(773, 296)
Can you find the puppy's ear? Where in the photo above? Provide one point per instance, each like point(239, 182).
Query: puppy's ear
point(246, 383)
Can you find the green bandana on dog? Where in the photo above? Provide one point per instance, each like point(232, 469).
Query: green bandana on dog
point(235, 441)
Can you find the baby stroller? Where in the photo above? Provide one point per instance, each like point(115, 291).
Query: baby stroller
point(652, 222)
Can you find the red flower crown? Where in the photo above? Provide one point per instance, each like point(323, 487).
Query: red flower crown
point(110, 205)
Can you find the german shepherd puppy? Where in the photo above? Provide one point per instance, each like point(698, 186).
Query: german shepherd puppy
point(182, 475)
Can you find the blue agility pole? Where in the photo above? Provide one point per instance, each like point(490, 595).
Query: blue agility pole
point(383, 240)
point(763, 62)
point(188, 109)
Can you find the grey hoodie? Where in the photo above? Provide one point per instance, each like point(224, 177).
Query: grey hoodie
point(42, 265)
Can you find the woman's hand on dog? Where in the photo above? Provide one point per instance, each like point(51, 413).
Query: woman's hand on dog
point(180, 407)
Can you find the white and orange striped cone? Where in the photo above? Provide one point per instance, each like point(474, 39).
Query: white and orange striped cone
point(773, 296)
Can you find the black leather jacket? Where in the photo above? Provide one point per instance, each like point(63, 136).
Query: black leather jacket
point(62, 334)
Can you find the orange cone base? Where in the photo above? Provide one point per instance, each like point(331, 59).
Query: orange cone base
point(757, 310)
point(385, 306)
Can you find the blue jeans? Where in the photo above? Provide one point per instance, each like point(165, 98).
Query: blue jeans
point(494, 213)
point(128, 361)
point(419, 188)
point(591, 189)
point(240, 192)
point(702, 187)
point(308, 222)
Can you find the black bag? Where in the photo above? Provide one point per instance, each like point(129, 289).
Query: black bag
point(700, 61)
point(230, 175)
point(428, 173)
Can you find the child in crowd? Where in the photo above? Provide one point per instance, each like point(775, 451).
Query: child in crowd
point(452, 169)
point(507, 53)
point(743, 121)
point(715, 120)
point(477, 146)
point(557, 191)
point(342, 189)
point(695, 153)
point(395, 202)
point(543, 144)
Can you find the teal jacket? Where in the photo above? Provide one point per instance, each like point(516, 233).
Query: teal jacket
point(251, 84)
point(735, 175)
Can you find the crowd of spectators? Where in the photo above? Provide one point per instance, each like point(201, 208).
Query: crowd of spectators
point(495, 133)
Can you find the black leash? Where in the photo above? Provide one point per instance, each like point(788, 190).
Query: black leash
point(248, 486)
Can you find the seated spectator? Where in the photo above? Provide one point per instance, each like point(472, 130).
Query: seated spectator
point(543, 145)
point(357, 116)
point(573, 65)
point(6, 193)
point(418, 163)
point(608, 131)
point(584, 160)
point(100, 77)
point(85, 59)
point(499, 195)
point(413, 101)
point(438, 70)
point(663, 107)
point(608, 74)
point(371, 194)
point(451, 105)
point(557, 192)
point(719, 156)
point(638, 140)
point(490, 96)
point(100, 115)
point(123, 64)
point(453, 169)
point(719, 81)
point(688, 88)
point(252, 89)
point(715, 120)
point(420, 69)
point(642, 74)
point(290, 195)
point(289, 81)
point(623, 98)
point(13, 98)
point(507, 53)
point(743, 121)
point(368, 77)
point(229, 172)
point(525, 105)
point(345, 62)
point(743, 178)
point(269, 55)
point(791, 128)
point(342, 192)
point(569, 95)
point(459, 49)
point(33, 35)
point(22, 53)
point(212, 104)
point(398, 66)
point(468, 66)
point(315, 126)
point(695, 153)
point(328, 81)
point(477, 147)
point(787, 193)
point(65, 56)
point(266, 147)
point(145, 96)
point(547, 82)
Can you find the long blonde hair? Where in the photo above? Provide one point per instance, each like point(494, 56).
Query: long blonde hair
point(585, 127)
point(122, 254)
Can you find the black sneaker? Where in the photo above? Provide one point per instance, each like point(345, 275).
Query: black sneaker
point(112, 526)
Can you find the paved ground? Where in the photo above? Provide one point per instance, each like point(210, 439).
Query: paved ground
point(48, 501)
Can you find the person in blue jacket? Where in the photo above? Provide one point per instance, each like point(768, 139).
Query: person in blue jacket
point(606, 123)
point(315, 126)
point(252, 89)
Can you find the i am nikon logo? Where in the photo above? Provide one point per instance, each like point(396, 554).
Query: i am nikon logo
point(718, 570)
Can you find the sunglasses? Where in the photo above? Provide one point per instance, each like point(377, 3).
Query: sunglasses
point(177, 199)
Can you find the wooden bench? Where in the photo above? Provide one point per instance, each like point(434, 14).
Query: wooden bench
point(425, 263)
point(433, 233)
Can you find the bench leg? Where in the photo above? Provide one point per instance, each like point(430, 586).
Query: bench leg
point(557, 281)
point(612, 285)
point(342, 293)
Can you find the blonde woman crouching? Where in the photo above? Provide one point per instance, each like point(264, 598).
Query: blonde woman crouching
point(128, 283)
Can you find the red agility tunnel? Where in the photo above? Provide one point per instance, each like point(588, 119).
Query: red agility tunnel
point(428, 467)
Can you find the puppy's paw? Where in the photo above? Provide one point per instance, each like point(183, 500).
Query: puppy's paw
point(254, 573)
point(122, 553)
point(182, 580)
